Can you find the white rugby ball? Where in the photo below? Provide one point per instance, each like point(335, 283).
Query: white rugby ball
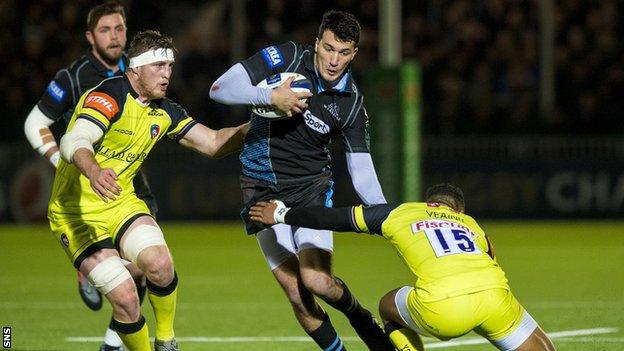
point(299, 84)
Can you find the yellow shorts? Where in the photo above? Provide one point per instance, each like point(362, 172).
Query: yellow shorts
point(493, 313)
point(83, 233)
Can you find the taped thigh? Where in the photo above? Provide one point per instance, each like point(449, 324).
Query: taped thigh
point(140, 238)
point(108, 274)
point(519, 335)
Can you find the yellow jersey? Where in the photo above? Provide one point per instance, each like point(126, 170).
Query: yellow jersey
point(446, 250)
point(131, 128)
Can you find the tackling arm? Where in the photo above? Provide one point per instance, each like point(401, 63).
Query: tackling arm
point(317, 217)
point(36, 128)
point(215, 143)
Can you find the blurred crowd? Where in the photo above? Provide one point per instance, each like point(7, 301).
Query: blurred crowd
point(480, 58)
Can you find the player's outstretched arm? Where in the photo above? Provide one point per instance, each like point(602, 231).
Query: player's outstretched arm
point(215, 143)
point(317, 217)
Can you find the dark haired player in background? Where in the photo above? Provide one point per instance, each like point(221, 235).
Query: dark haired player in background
point(289, 159)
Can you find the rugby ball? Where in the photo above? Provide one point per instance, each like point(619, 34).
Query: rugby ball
point(299, 84)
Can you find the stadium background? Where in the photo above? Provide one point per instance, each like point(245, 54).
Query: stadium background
point(490, 122)
point(520, 148)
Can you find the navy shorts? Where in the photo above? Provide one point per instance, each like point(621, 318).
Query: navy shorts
point(312, 191)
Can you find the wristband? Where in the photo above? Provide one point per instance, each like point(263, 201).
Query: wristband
point(54, 158)
point(280, 211)
point(45, 147)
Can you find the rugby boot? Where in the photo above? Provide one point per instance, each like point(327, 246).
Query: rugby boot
point(371, 333)
point(89, 294)
point(169, 345)
point(105, 347)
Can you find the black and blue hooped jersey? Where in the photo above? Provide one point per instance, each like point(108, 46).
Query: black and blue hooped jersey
point(64, 91)
point(291, 148)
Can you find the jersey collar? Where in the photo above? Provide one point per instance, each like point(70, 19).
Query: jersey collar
point(344, 84)
point(103, 70)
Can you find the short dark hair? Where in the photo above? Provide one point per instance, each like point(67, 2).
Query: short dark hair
point(343, 24)
point(148, 40)
point(101, 10)
point(447, 194)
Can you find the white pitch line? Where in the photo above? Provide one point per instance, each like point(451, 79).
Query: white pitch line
point(434, 345)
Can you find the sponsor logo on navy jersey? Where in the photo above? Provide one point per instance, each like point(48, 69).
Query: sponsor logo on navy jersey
point(274, 79)
point(315, 123)
point(273, 56)
point(56, 92)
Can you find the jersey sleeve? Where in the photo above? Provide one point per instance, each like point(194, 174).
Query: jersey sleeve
point(101, 105)
point(181, 122)
point(368, 219)
point(355, 134)
point(57, 98)
point(270, 60)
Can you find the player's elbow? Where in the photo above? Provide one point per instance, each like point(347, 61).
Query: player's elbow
point(215, 92)
point(71, 142)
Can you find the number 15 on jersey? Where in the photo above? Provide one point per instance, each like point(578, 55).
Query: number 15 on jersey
point(447, 241)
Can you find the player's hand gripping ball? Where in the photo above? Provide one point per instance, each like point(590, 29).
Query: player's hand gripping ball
point(299, 84)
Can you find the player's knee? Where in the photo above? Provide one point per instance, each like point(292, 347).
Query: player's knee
point(319, 283)
point(159, 268)
point(125, 302)
point(140, 238)
point(385, 307)
point(109, 274)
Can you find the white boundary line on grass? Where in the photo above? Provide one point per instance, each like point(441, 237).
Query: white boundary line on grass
point(435, 345)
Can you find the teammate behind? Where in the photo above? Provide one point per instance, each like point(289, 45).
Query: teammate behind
point(94, 212)
point(459, 285)
point(106, 34)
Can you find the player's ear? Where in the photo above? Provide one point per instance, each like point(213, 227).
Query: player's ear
point(89, 36)
point(316, 42)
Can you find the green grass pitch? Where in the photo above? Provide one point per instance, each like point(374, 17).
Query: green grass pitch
point(569, 275)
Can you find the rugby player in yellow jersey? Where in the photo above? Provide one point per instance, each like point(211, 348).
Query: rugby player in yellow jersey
point(94, 211)
point(459, 285)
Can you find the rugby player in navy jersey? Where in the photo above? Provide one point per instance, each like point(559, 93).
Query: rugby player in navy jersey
point(288, 159)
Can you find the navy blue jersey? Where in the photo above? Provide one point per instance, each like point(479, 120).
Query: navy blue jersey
point(70, 83)
point(295, 148)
